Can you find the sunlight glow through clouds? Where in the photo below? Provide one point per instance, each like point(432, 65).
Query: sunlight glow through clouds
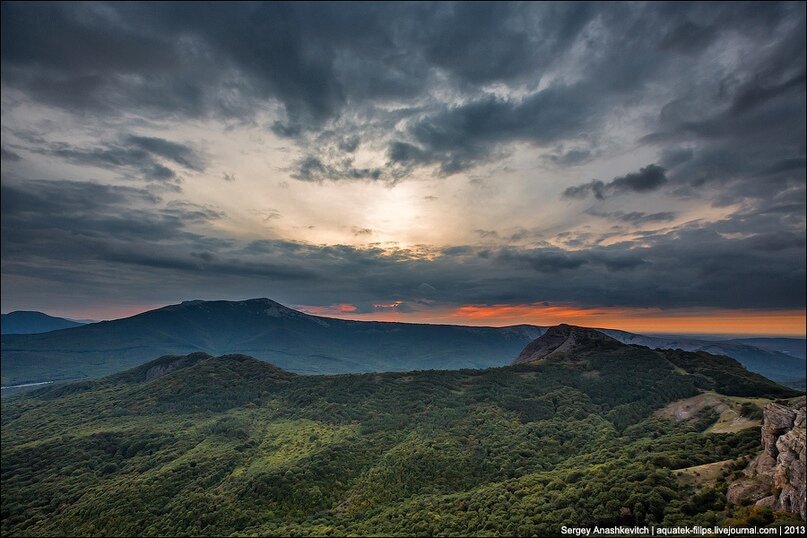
point(388, 162)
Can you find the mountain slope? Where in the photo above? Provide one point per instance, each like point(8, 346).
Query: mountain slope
point(202, 445)
point(775, 358)
point(261, 328)
point(797, 347)
point(564, 340)
point(303, 343)
point(28, 322)
point(581, 347)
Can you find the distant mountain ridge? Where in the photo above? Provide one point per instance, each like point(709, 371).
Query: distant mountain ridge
point(581, 348)
point(262, 328)
point(761, 356)
point(32, 322)
point(796, 347)
point(304, 343)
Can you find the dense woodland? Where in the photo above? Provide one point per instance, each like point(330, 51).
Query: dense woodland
point(235, 446)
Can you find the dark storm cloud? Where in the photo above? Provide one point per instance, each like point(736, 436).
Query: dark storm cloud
point(466, 39)
point(349, 144)
point(444, 87)
point(131, 245)
point(33, 209)
point(634, 217)
point(113, 158)
point(353, 65)
point(545, 260)
point(8, 155)
point(315, 59)
point(743, 135)
point(689, 37)
point(549, 260)
point(625, 51)
point(572, 157)
point(180, 59)
point(67, 197)
point(140, 154)
point(460, 137)
point(91, 225)
point(649, 178)
point(178, 153)
point(311, 168)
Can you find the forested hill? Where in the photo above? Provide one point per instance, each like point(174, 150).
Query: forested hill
point(582, 347)
point(206, 445)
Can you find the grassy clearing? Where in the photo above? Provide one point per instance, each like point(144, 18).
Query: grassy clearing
point(702, 475)
point(728, 408)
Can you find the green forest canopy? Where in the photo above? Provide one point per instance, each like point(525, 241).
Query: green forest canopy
point(235, 446)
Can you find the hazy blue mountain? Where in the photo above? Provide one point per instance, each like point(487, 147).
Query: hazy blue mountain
point(303, 343)
point(29, 322)
point(796, 347)
point(261, 328)
point(768, 361)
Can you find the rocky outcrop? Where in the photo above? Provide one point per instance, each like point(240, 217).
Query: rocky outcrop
point(564, 339)
point(789, 473)
point(776, 478)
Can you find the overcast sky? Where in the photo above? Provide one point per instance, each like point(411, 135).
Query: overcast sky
point(640, 166)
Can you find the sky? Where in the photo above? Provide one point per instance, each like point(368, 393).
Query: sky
point(638, 166)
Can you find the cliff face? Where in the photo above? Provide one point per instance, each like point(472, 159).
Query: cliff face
point(565, 339)
point(776, 477)
point(789, 473)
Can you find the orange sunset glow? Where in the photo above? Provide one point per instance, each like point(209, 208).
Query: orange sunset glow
point(655, 320)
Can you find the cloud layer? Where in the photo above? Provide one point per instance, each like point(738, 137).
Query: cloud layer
point(421, 153)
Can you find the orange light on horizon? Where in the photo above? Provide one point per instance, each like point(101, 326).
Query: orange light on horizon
point(331, 310)
point(647, 320)
point(790, 322)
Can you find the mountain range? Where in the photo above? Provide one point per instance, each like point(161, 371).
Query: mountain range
point(583, 430)
point(261, 328)
point(781, 359)
point(307, 344)
point(30, 322)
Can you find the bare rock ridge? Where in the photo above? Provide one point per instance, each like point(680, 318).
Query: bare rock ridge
point(562, 339)
point(776, 478)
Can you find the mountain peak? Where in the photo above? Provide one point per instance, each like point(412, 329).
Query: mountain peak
point(254, 301)
point(266, 306)
point(564, 339)
point(32, 322)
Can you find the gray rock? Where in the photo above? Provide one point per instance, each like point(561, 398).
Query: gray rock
point(776, 478)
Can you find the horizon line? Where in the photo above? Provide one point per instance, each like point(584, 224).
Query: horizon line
point(501, 316)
